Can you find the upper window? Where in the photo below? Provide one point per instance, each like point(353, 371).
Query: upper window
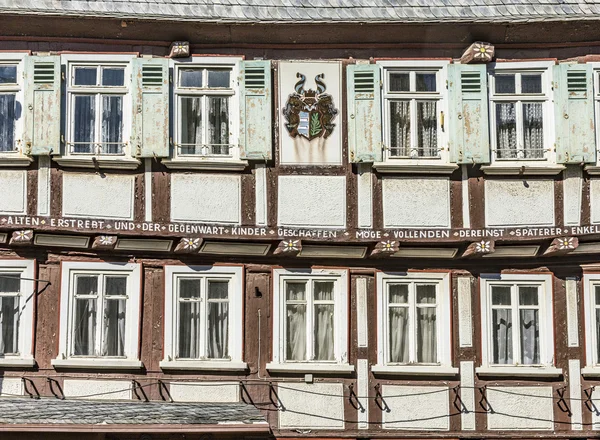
point(206, 105)
point(99, 314)
point(11, 109)
point(520, 111)
point(592, 319)
point(17, 297)
point(203, 322)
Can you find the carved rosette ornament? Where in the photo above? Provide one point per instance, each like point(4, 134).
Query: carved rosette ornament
point(385, 249)
point(561, 246)
point(22, 237)
point(188, 245)
point(179, 49)
point(290, 248)
point(480, 248)
point(104, 242)
point(478, 53)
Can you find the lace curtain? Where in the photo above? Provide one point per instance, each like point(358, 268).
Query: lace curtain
point(218, 320)
point(7, 122)
point(427, 129)
point(9, 314)
point(191, 125)
point(112, 124)
point(507, 144)
point(324, 318)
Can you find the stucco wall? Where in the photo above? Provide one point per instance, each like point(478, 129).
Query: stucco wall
point(325, 409)
point(416, 408)
point(13, 192)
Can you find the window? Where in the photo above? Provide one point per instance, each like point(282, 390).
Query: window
point(414, 107)
point(517, 321)
point(520, 111)
point(11, 98)
point(99, 315)
point(203, 318)
point(591, 301)
point(311, 307)
point(206, 102)
point(414, 323)
point(17, 298)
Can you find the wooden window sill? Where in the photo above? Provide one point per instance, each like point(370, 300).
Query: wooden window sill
point(526, 168)
point(98, 364)
point(206, 164)
point(414, 370)
point(204, 365)
point(14, 362)
point(413, 166)
point(308, 367)
point(98, 162)
point(15, 160)
point(519, 371)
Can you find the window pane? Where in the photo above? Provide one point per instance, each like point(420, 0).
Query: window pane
point(426, 82)
point(533, 130)
point(218, 329)
point(218, 124)
point(116, 286)
point(9, 324)
point(427, 128)
point(323, 332)
point(218, 289)
point(84, 327)
point(10, 282)
point(398, 293)
point(323, 290)
point(8, 74)
point(398, 336)
point(113, 76)
point(399, 82)
point(191, 125)
point(7, 122)
point(189, 289)
point(113, 338)
point(400, 128)
point(112, 124)
point(190, 77)
point(505, 83)
point(86, 76)
point(506, 130)
point(502, 345)
point(426, 335)
point(530, 336)
point(218, 78)
point(528, 296)
point(189, 329)
point(295, 335)
point(531, 83)
point(86, 285)
point(597, 335)
point(84, 123)
point(295, 291)
point(501, 295)
point(597, 292)
point(426, 294)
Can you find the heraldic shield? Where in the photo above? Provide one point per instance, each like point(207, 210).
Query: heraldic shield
point(310, 113)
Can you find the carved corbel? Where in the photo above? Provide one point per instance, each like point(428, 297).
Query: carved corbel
point(179, 49)
point(290, 248)
point(23, 237)
point(188, 245)
point(479, 248)
point(561, 246)
point(384, 249)
point(478, 53)
point(104, 242)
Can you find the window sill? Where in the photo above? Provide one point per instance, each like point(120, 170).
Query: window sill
point(522, 169)
point(204, 365)
point(98, 364)
point(594, 170)
point(15, 161)
point(205, 164)
point(590, 371)
point(519, 371)
point(415, 167)
point(98, 162)
point(307, 367)
point(414, 370)
point(15, 362)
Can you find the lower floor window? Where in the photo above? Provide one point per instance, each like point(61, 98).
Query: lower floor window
point(10, 300)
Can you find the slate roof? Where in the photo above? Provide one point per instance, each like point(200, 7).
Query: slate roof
point(298, 11)
point(23, 411)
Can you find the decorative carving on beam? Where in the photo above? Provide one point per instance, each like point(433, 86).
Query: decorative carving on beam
point(480, 248)
point(179, 49)
point(104, 242)
point(384, 249)
point(188, 245)
point(23, 237)
point(561, 246)
point(290, 248)
point(478, 53)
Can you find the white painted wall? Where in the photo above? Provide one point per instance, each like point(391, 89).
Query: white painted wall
point(521, 202)
point(467, 395)
point(213, 392)
point(98, 389)
point(206, 198)
point(465, 323)
point(13, 192)
point(306, 411)
point(312, 201)
point(108, 196)
point(595, 200)
point(416, 203)
point(572, 186)
point(531, 409)
point(11, 387)
point(410, 405)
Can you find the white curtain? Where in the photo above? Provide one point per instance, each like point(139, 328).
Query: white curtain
point(9, 324)
point(84, 329)
point(426, 324)
point(218, 125)
point(112, 124)
point(218, 320)
point(427, 128)
point(533, 130)
point(7, 122)
point(324, 319)
point(188, 331)
point(398, 318)
point(113, 341)
point(530, 337)
point(506, 130)
point(400, 128)
point(502, 336)
point(295, 336)
point(84, 129)
point(191, 125)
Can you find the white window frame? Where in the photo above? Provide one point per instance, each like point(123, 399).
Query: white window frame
point(443, 323)
point(595, 168)
point(592, 361)
point(235, 276)
point(546, 98)
point(28, 297)
point(546, 367)
point(340, 364)
point(17, 155)
point(133, 272)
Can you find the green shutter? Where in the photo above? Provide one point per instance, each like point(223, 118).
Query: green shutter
point(574, 113)
point(150, 97)
point(41, 109)
point(255, 110)
point(364, 113)
point(468, 122)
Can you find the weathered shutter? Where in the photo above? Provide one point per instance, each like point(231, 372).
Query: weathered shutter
point(574, 113)
point(364, 113)
point(255, 110)
point(468, 122)
point(41, 107)
point(150, 97)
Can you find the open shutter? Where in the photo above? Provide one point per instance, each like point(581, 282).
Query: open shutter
point(150, 97)
point(255, 110)
point(364, 113)
point(574, 113)
point(41, 109)
point(468, 120)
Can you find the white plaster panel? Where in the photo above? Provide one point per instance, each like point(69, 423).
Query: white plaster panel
point(362, 373)
point(365, 195)
point(212, 392)
point(572, 313)
point(465, 323)
point(11, 387)
point(596, 412)
point(43, 201)
point(361, 312)
point(260, 176)
point(467, 395)
point(98, 389)
point(466, 203)
point(575, 394)
point(595, 200)
point(531, 409)
point(312, 201)
point(13, 192)
point(572, 194)
point(519, 202)
point(107, 196)
point(416, 202)
point(206, 198)
point(409, 405)
point(325, 409)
